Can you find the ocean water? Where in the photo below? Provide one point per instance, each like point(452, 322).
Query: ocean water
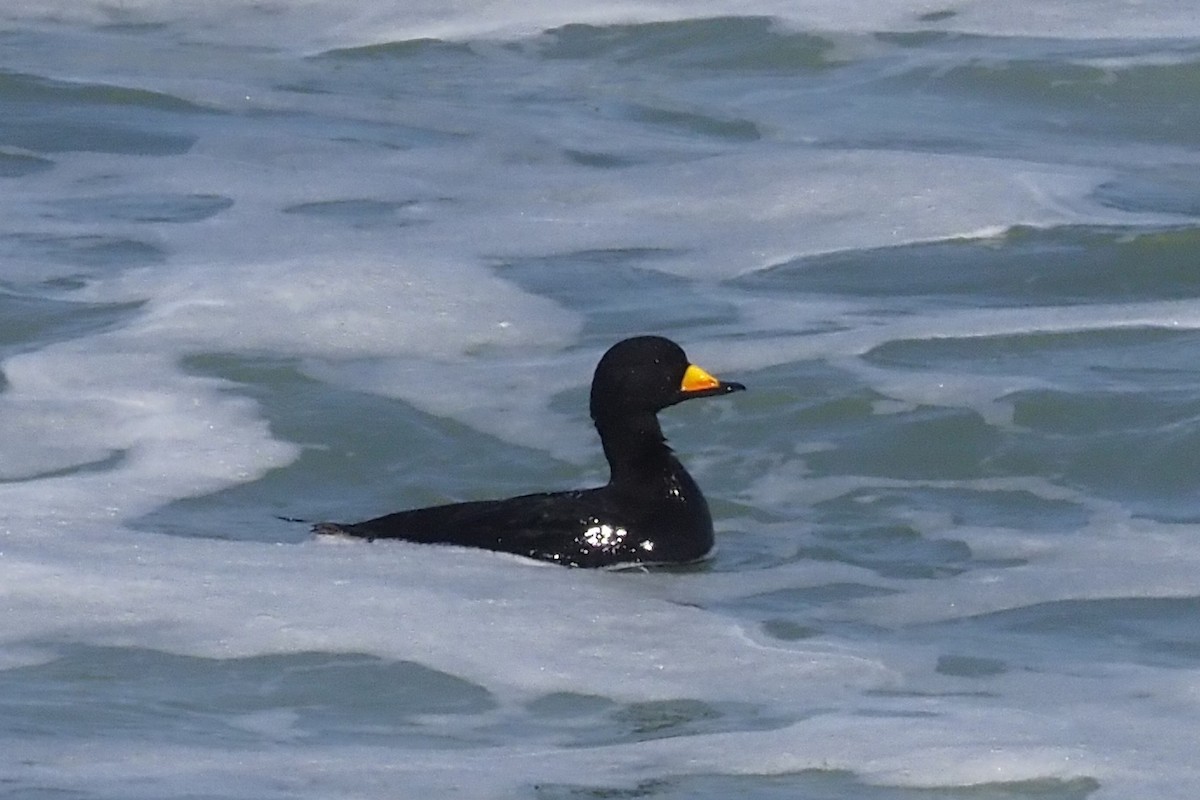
point(327, 260)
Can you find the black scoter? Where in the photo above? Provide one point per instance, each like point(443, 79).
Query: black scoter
point(651, 510)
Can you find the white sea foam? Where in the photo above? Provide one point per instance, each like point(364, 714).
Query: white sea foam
point(534, 630)
point(1114, 556)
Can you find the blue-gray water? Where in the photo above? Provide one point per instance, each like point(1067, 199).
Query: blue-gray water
point(328, 260)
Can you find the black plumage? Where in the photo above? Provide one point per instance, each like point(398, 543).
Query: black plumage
point(650, 511)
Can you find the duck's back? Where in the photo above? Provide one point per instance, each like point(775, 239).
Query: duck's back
point(599, 527)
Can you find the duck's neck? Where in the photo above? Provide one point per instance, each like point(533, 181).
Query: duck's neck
point(636, 450)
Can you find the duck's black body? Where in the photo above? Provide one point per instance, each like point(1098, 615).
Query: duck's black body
point(651, 511)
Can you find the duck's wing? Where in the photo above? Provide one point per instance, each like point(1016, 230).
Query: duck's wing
point(580, 528)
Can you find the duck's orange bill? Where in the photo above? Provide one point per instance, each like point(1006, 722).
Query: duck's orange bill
point(697, 380)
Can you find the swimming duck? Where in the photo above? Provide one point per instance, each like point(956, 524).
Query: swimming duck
point(650, 511)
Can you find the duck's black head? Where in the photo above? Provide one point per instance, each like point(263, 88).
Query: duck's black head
point(647, 374)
